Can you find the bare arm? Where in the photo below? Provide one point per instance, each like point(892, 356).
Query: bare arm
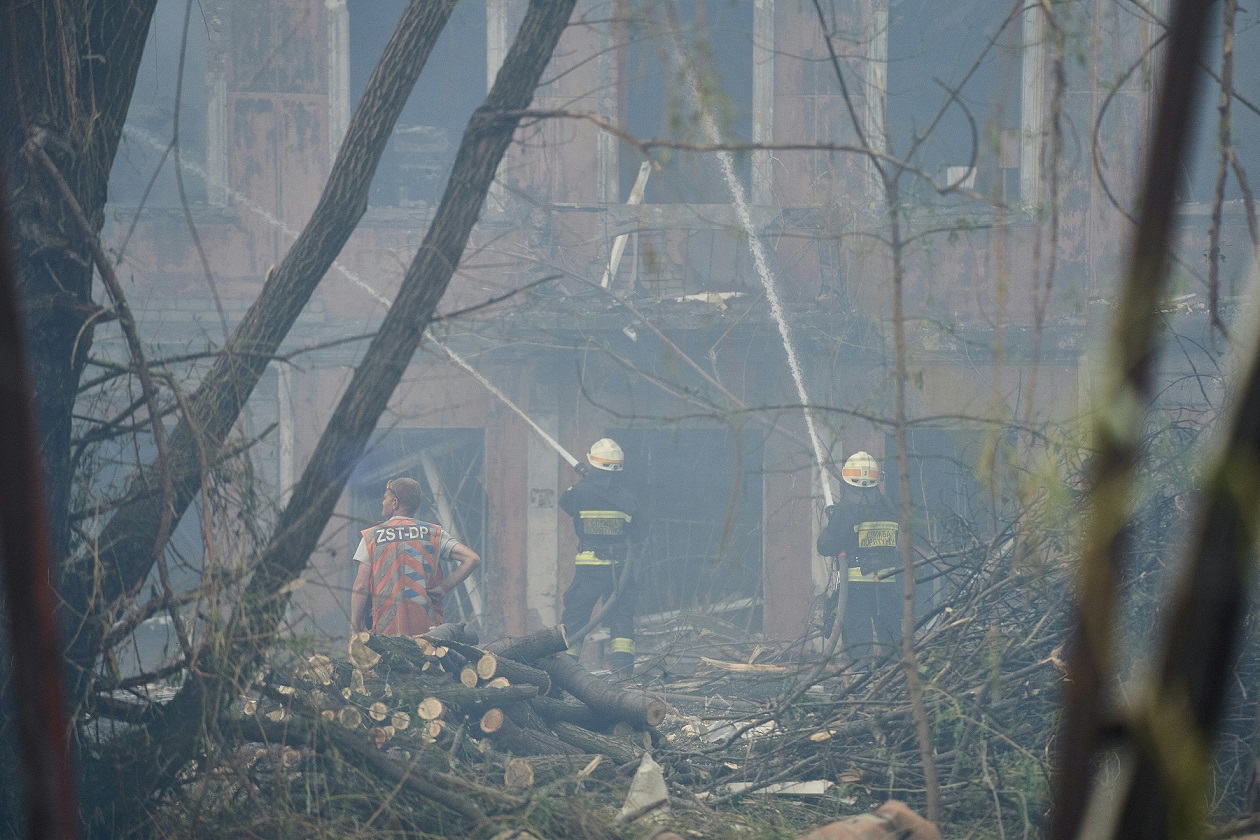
point(361, 598)
point(468, 561)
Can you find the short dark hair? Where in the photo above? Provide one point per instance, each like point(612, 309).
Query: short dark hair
point(408, 493)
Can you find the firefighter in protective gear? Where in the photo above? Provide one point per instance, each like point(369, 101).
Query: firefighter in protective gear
point(607, 518)
point(399, 586)
point(861, 531)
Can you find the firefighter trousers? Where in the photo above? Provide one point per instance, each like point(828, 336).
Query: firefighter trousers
point(590, 584)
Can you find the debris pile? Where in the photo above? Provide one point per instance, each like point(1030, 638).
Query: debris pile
point(459, 728)
point(440, 734)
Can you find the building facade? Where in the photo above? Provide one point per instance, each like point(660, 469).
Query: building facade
point(661, 293)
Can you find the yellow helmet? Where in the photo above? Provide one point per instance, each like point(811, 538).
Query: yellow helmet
point(861, 470)
point(605, 454)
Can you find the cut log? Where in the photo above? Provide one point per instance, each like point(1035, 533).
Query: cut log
point(492, 721)
point(380, 735)
point(452, 792)
point(549, 768)
point(468, 700)
point(430, 708)
point(529, 649)
point(486, 665)
point(403, 654)
point(468, 677)
point(619, 750)
point(518, 774)
point(632, 734)
point(378, 711)
point(361, 654)
point(490, 665)
point(454, 631)
point(350, 717)
point(320, 669)
point(631, 705)
point(518, 672)
point(507, 735)
point(554, 709)
point(522, 715)
point(400, 720)
point(499, 682)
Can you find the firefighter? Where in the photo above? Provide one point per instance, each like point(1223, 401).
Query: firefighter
point(607, 518)
point(862, 529)
point(400, 585)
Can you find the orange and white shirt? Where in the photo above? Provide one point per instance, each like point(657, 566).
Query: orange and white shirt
point(405, 556)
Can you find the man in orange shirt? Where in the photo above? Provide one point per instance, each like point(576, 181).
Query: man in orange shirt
point(400, 584)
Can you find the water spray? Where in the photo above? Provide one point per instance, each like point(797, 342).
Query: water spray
point(382, 299)
point(763, 267)
point(239, 198)
point(475, 374)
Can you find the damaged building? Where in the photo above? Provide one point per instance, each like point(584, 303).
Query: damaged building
point(641, 292)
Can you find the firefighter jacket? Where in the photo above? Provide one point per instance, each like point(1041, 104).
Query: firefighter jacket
point(606, 516)
point(404, 556)
point(863, 527)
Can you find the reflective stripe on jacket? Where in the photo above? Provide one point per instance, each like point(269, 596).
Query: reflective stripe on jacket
point(402, 554)
point(856, 575)
point(604, 530)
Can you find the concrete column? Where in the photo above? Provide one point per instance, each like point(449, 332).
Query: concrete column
point(787, 547)
point(609, 186)
point(876, 80)
point(763, 100)
point(216, 133)
point(497, 42)
point(507, 441)
point(541, 538)
point(1032, 108)
point(338, 74)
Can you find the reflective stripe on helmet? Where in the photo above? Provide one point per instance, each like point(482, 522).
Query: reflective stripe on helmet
point(605, 454)
point(861, 470)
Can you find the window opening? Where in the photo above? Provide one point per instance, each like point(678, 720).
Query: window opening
point(417, 160)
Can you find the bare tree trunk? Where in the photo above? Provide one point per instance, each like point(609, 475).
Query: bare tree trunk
point(33, 652)
point(1117, 431)
point(124, 549)
point(55, 90)
point(909, 651)
point(254, 623)
point(56, 93)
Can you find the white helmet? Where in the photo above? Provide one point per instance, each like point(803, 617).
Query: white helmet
point(605, 454)
point(861, 470)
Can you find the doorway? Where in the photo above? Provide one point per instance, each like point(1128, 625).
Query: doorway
point(701, 490)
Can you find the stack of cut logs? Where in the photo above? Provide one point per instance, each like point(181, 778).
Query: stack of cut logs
point(441, 688)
